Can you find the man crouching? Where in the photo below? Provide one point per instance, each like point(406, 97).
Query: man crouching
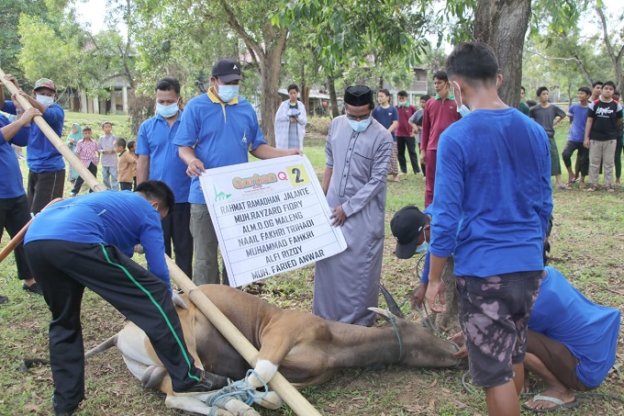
point(87, 242)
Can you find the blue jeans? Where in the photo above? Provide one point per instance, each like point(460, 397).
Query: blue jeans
point(109, 175)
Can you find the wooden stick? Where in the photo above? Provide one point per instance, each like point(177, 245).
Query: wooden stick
point(55, 139)
point(286, 391)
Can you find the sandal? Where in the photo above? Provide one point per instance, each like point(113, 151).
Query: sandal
point(559, 404)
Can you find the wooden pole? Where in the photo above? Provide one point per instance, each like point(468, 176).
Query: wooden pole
point(286, 391)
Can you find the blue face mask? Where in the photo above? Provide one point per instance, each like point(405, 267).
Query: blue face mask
point(359, 126)
point(228, 92)
point(422, 248)
point(167, 111)
point(463, 110)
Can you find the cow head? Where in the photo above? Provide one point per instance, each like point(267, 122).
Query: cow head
point(420, 347)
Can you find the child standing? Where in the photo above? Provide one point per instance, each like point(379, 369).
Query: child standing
point(548, 116)
point(578, 118)
point(106, 146)
point(87, 152)
point(601, 133)
point(126, 167)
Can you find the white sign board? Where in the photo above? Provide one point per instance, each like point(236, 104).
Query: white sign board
point(270, 217)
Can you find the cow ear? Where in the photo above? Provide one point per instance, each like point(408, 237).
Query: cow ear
point(384, 313)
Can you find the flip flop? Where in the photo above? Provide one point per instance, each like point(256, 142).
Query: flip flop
point(560, 405)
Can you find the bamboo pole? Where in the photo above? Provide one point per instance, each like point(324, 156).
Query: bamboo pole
point(282, 387)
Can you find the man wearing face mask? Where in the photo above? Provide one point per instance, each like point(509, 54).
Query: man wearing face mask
point(493, 201)
point(358, 154)
point(158, 160)
point(217, 129)
point(46, 176)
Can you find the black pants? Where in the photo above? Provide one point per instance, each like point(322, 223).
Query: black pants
point(176, 229)
point(79, 181)
point(43, 188)
point(410, 143)
point(14, 214)
point(125, 186)
point(63, 270)
point(582, 157)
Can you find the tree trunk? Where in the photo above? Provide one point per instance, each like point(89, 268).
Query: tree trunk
point(305, 90)
point(502, 24)
point(333, 99)
point(270, 72)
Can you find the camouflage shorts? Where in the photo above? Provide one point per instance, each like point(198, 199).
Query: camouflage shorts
point(494, 316)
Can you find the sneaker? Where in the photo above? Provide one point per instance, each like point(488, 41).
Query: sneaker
point(208, 382)
point(34, 288)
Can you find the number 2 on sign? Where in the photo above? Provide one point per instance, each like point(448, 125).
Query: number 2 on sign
point(298, 175)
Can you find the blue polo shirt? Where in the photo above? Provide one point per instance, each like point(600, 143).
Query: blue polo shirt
point(12, 184)
point(155, 140)
point(9, 107)
point(588, 330)
point(222, 134)
point(42, 156)
point(122, 219)
point(486, 210)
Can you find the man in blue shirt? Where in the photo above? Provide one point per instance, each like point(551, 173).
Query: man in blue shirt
point(574, 351)
point(87, 241)
point(577, 114)
point(217, 129)
point(158, 160)
point(491, 206)
point(388, 116)
point(14, 212)
point(46, 176)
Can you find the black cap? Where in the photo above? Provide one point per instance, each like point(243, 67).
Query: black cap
point(227, 70)
point(407, 225)
point(358, 95)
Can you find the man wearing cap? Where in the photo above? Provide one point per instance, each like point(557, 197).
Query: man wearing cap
point(158, 160)
point(217, 129)
point(358, 153)
point(46, 176)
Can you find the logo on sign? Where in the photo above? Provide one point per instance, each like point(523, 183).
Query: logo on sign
point(255, 181)
point(220, 196)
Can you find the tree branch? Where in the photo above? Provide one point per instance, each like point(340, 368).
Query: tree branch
point(605, 32)
point(240, 30)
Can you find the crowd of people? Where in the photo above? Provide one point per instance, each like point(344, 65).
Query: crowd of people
point(488, 200)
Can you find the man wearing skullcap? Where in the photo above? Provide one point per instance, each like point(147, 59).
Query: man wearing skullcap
point(358, 153)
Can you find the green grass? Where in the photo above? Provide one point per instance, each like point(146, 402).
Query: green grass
point(588, 246)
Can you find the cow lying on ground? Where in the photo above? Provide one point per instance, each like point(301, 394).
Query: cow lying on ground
point(306, 349)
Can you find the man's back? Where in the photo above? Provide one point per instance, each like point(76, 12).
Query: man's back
point(493, 173)
point(588, 330)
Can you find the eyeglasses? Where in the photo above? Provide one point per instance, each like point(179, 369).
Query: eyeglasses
point(358, 118)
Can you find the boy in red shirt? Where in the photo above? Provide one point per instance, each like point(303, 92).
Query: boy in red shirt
point(439, 113)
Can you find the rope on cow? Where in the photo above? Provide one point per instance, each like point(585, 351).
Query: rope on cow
point(239, 390)
point(398, 335)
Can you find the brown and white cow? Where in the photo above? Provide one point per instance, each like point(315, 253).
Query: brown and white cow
point(305, 348)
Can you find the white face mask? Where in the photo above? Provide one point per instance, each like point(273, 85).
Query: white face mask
point(461, 107)
point(44, 100)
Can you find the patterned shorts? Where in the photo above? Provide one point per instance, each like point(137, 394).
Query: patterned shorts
point(494, 316)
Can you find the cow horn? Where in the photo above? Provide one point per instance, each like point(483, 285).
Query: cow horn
point(384, 313)
point(392, 304)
